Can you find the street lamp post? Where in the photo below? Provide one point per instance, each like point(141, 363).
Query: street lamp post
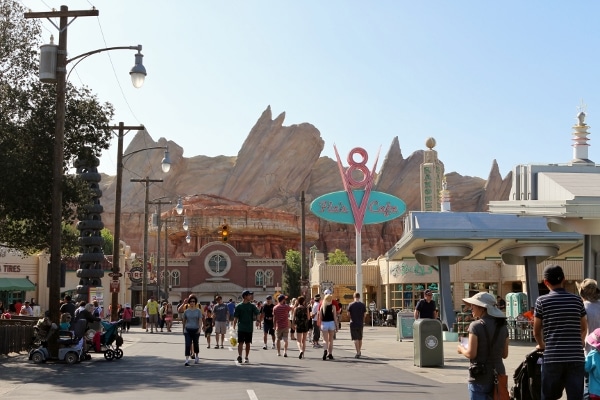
point(147, 182)
point(58, 57)
point(165, 165)
point(158, 203)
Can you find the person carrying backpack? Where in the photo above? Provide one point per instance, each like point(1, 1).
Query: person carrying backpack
point(300, 324)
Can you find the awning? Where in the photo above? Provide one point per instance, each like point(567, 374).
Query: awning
point(16, 284)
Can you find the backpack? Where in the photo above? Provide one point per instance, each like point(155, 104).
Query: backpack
point(301, 317)
point(528, 378)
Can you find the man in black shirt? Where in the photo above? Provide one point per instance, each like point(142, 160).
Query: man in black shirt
point(68, 307)
point(266, 313)
point(426, 307)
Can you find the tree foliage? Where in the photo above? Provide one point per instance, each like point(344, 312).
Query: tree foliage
point(291, 279)
point(108, 237)
point(27, 128)
point(338, 257)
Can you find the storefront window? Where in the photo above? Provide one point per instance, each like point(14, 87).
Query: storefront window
point(471, 289)
point(405, 296)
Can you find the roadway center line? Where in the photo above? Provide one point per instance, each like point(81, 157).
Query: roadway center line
point(251, 394)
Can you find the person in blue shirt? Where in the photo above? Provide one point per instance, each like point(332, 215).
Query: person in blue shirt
point(231, 308)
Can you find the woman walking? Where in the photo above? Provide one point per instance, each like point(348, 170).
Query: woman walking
point(192, 320)
point(300, 318)
point(326, 319)
point(487, 345)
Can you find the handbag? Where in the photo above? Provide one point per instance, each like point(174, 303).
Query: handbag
point(500, 386)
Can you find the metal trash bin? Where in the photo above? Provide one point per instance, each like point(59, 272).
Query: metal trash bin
point(428, 343)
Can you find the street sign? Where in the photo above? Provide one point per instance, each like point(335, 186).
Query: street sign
point(372, 306)
point(115, 275)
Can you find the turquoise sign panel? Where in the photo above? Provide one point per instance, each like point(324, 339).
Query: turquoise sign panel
point(336, 207)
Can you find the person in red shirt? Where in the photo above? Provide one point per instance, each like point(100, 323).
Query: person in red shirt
point(282, 323)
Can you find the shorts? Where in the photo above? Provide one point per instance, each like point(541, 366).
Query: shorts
point(153, 318)
point(245, 337)
point(282, 333)
point(220, 327)
point(268, 327)
point(328, 326)
point(356, 333)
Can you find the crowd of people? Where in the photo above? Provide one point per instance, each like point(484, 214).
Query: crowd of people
point(17, 308)
point(281, 320)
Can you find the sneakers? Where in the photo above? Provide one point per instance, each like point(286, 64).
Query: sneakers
point(239, 359)
point(278, 354)
point(273, 346)
point(265, 347)
point(187, 363)
point(285, 354)
point(330, 356)
point(246, 361)
point(197, 360)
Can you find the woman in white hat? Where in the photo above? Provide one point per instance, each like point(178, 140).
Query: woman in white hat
point(487, 345)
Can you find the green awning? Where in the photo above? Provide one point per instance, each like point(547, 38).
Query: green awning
point(14, 284)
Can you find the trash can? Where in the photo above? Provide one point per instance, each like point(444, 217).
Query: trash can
point(428, 343)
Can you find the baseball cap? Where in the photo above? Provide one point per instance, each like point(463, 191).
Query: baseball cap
point(428, 291)
point(246, 293)
point(554, 274)
point(269, 297)
point(281, 297)
point(327, 291)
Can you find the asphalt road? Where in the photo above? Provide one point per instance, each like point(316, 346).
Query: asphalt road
point(152, 368)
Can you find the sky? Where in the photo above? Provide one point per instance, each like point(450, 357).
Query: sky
point(488, 80)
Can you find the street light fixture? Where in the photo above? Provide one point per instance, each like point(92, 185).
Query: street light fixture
point(147, 182)
point(179, 207)
point(57, 56)
point(121, 158)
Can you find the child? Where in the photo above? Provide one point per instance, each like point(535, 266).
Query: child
point(65, 322)
point(208, 327)
point(592, 364)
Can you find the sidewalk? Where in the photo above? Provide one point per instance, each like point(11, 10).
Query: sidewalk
point(381, 343)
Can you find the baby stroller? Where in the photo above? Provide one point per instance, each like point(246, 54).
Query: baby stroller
point(103, 342)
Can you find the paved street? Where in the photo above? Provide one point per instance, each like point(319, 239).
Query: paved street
point(152, 368)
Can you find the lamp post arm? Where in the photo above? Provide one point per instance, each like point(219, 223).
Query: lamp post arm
point(140, 150)
point(89, 53)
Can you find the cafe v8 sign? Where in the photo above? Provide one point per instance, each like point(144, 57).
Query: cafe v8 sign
point(335, 207)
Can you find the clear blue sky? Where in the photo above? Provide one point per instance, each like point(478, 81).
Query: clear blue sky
point(489, 80)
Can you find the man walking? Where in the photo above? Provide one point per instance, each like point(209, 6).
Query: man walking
point(266, 313)
point(152, 314)
point(559, 328)
point(356, 312)
point(316, 327)
point(281, 314)
point(221, 316)
point(426, 307)
point(243, 318)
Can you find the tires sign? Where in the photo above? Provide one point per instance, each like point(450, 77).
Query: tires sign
point(136, 274)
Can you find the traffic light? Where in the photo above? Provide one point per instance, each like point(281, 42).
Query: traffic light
point(224, 232)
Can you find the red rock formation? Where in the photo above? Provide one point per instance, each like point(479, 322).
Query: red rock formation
point(258, 192)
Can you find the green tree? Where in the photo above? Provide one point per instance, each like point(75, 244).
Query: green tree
point(108, 237)
point(291, 279)
point(27, 126)
point(338, 257)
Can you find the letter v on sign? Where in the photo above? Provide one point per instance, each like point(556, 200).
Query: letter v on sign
point(350, 183)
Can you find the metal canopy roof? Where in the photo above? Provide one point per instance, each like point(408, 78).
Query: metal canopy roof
point(486, 233)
